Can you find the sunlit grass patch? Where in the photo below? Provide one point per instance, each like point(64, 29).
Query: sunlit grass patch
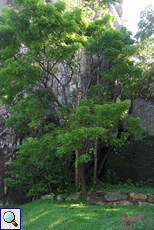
point(45, 215)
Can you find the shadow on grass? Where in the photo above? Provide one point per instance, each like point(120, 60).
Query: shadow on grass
point(43, 215)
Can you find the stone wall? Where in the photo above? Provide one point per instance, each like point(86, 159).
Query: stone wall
point(120, 198)
point(111, 198)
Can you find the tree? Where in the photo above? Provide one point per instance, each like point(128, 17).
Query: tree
point(91, 122)
point(37, 170)
point(34, 42)
point(40, 47)
point(143, 87)
point(145, 39)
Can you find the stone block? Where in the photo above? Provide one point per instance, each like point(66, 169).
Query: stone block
point(138, 196)
point(150, 198)
point(115, 196)
point(94, 200)
point(48, 197)
point(99, 194)
point(143, 203)
point(61, 197)
point(101, 203)
point(75, 196)
point(152, 205)
point(125, 203)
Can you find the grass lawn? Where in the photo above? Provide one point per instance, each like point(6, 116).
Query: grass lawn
point(43, 215)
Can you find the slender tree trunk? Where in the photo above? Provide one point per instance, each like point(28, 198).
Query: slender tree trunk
point(96, 140)
point(82, 179)
point(82, 176)
point(76, 168)
point(95, 160)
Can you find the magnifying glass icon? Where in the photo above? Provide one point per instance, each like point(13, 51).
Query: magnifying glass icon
point(9, 217)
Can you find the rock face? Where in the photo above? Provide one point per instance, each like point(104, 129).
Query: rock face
point(117, 11)
point(4, 3)
point(144, 109)
point(7, 151)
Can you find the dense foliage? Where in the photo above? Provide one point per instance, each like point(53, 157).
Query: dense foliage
point(42, 47)
point(145, 53)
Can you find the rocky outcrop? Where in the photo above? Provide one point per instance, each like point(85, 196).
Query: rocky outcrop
point(117, 11)
point(7, 151)
point(4, 3)
point(144, 109)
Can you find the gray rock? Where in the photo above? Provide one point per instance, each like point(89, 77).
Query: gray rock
point(138, 196)
point(94, 200)
point(152, 205)
point(99, 194)
point(48, 197)
point(115, 196)
point(75, 196)
point(150, 198)
point(101, 203)
point(144, 110)
point(125, 203)
point(61, 197)
point(143, 203)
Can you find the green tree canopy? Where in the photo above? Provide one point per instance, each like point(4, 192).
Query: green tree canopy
point(145, 37)
point(39, 48)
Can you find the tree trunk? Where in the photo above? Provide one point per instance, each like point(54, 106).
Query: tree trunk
point(95, 160)
point(76, 168)
point(82, 179)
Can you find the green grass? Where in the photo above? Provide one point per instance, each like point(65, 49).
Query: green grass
point(128, 188)
point(43, 215)
point(123, 187)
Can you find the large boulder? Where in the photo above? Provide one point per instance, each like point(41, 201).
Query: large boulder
point(115, 196)
point(138, 196)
